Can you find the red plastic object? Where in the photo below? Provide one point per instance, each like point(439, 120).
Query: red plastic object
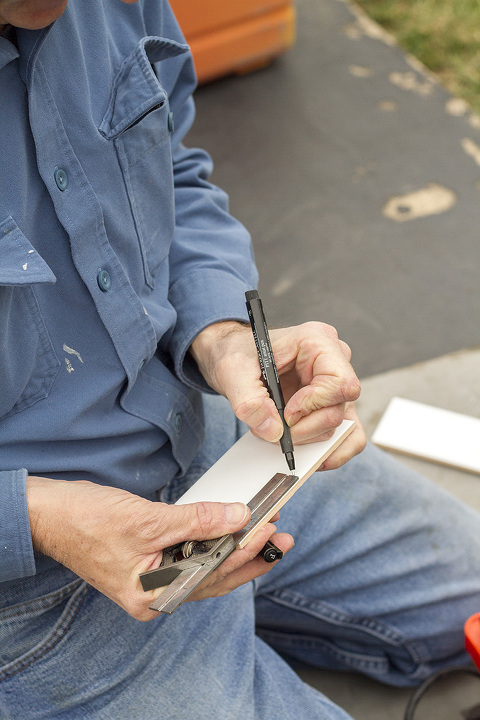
point(472, 638)
point(233, 36)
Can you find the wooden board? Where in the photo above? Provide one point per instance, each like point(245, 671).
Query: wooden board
point(431, 433)
point(243, 472)
point(249, 464)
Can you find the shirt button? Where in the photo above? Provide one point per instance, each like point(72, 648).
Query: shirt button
point(104, 280)
point(178, 423)
point(61, 178)
point(171, 122)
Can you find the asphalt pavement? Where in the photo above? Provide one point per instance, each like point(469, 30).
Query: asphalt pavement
point(358, 177)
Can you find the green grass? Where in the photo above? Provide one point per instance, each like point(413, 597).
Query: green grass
point(443, 34)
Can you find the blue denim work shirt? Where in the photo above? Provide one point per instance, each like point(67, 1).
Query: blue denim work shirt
point(115, 251)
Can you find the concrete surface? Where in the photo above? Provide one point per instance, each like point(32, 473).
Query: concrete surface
point(451, 382)
point(358, 176)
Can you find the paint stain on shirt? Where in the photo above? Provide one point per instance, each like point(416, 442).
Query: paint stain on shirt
point(71, 351)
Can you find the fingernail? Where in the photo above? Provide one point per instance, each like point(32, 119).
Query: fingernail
point(235, 513)
point(292, 420)
point(270, 429)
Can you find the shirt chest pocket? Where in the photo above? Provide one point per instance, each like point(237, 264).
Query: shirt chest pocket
point(28, 364)
point(139, 122)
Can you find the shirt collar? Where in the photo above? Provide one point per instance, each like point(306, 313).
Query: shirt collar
point(24, 44)
point(8, 52)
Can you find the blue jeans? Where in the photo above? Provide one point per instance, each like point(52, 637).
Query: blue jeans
point(385, 570)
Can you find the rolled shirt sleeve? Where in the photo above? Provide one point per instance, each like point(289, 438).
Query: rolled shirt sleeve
point(211, 259)
point(16, 550)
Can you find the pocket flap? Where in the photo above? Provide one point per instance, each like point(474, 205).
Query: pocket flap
point(20, 263)
point(136, 89)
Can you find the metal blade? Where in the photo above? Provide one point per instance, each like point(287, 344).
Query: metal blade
point(263, 503)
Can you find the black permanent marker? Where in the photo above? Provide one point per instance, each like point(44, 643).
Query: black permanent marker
point(268, 368)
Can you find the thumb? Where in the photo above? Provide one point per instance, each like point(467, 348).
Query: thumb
point(253, 406)
point(205, 520)
point(237, 377)
point(270, 426)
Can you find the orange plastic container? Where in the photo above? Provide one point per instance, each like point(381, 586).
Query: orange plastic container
point(472, 638)
point(235, 36)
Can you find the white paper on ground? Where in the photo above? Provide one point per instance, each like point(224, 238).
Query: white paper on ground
point(249, 464)
point(431, 433)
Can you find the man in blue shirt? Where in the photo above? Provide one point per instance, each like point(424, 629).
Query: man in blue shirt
point(122, 281)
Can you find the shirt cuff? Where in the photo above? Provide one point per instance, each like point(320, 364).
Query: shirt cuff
point(16, 549)
point(214, 296)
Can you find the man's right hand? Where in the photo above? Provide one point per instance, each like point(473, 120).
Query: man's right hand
point(108, 537)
